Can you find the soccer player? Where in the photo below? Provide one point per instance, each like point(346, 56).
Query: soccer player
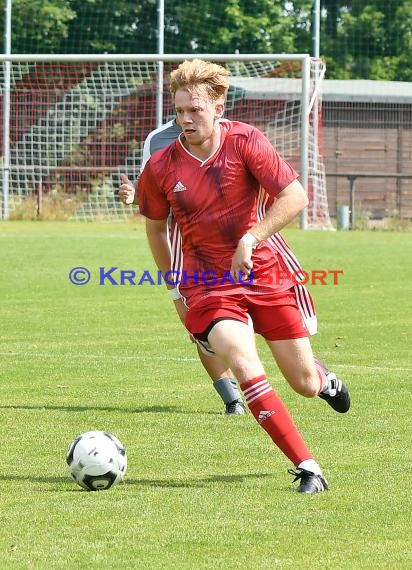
point(222, 378)
point(211, 178)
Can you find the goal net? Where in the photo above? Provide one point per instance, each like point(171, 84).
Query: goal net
point(74, 126)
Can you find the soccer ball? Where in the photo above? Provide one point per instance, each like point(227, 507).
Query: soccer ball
point(97, 460)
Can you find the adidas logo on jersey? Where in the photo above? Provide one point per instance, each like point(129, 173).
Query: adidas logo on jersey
point(179, 187)
point(264, 415)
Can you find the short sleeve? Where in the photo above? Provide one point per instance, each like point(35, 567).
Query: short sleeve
point(272, 171)
point(152, 200)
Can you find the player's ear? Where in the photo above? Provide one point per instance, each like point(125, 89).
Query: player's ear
point(219, 108)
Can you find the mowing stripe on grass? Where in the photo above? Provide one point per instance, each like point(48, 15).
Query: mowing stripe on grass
point(181, 359)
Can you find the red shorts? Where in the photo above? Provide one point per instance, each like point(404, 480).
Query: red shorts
point(275, 316)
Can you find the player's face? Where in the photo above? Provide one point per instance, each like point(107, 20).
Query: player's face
point(196, 115)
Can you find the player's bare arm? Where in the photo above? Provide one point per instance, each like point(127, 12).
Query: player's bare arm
point(157, 236)
point(288, 204)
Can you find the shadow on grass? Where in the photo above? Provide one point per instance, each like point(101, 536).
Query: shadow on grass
point(34, 478)
point(197, 482)
point(142, 410)
point(165, 483)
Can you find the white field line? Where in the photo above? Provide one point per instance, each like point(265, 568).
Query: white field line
point(98, 356)
point(70, 235)
point(138, 357)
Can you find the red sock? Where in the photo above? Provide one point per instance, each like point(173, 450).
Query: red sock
point(320, 367)
point(273, 416)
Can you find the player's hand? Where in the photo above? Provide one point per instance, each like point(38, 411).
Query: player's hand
point(126, 190)
point(242, 263)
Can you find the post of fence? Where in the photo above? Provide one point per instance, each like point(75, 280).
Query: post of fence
point(40, 200)
point(352, 179)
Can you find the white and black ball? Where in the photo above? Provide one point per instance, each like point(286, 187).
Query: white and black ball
point(97, 460)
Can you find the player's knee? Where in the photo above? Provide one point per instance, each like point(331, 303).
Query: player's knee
point(306, 386)
point(245, 367)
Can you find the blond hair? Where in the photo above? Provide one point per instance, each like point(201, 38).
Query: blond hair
point(197, 75)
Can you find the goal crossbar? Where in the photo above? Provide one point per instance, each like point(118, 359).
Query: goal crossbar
point(171, 57)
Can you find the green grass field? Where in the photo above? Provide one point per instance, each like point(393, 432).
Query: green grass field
point(202, 491)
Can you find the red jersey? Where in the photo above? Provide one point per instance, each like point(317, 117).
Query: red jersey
point(215, 202)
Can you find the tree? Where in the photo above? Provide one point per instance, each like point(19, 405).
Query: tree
point(401, 27)
point(367, 39)
point(115, 26)
point(359, 38)
point(38, 25)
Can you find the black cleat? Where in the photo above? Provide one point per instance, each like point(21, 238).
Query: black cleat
point(338, 396)
point(309, 482)
point(236, 408)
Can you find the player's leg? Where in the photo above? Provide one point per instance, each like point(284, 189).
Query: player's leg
point(223, 380)
point(224, 383)
point(307, 375)
point(234, 342)
point(287, 335)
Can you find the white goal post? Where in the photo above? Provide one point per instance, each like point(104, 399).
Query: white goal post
point(71, 123)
